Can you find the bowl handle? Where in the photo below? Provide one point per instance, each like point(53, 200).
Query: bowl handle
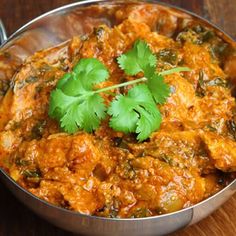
point(3, 33)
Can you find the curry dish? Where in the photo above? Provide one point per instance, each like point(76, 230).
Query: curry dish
point(108, 173)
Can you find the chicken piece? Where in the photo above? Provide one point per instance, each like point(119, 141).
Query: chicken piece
point(222, 151)
point(70, 196)
point(80, 153)
point(219, 106)
point(26, 105)
point(4, 109)
point(212, 184)
point(185, 111)
point(178, 104)
point(157, 18)
point(8, 65)
point(59, 169)
point(34, 81)
point(13, 55)
point(9, 141)
point(184, 149)
point(152, 185)
point(199, 60)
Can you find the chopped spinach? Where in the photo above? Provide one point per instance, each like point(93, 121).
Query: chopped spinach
point(31, 79)
point(4, 86)
point(28, 80)
point(37, 130)
point(7, 55)
point(206, 36)
point(200, 89)
point(231, 125)
point(203, 83)
point(44, 68)
point(141, 212)
point(32, 173)
point(167, 55)
point(21, 162)
point(211, 128)
point(38, 89)
point(167, 159)
point(99, 32)
point(84, 37)
point(189, 36)
point(196, 34)
point(218, 82)
point(15, 125)
point(127, 171)
point(219, 49)
point(198, 29)
point(120, 142)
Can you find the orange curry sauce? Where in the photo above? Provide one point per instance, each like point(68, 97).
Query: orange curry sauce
point(107, 173)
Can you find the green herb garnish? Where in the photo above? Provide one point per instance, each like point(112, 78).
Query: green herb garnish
point(139, 59)
point(32, 173)
point(76, 104)
point(135, 112)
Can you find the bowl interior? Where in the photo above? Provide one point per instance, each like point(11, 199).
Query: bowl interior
point(79, 18)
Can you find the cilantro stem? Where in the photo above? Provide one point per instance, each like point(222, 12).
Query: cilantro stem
point(174, 70)
point(143, 79)
point(90, 93)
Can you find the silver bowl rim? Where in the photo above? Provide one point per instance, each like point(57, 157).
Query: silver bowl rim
point(93, 2)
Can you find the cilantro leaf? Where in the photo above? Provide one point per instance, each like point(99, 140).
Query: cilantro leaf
point(150, 121)
point(71, 119)
point(91, 71)
point(86, 74)
point(86, 114)
point(74, 102)
point(135, 112)
point(123, 119)
point(159, 89)
point(139, 59)
point(59, 103)
point(63, 80)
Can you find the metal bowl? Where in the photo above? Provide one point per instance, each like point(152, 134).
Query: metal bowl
point(55, 27)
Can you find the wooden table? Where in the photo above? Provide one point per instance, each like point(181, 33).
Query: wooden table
point(17, 220)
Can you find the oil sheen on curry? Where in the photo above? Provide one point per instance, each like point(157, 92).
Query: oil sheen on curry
point(109, 173)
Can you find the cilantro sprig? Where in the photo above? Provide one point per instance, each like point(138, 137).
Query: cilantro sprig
point(76, 104)
point(135, 112)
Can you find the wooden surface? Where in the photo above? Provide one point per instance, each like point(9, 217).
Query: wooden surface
point(15, 219)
